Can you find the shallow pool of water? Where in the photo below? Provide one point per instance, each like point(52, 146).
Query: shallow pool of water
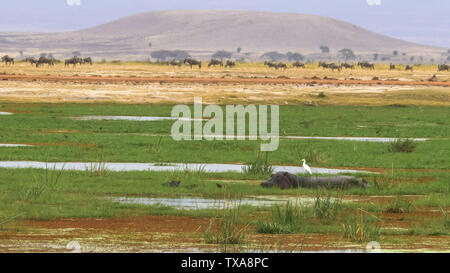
point(364, 139)
point(123, 167)
point(14, 145)
point(193, 203)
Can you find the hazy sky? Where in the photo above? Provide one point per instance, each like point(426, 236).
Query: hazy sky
point(422, 21)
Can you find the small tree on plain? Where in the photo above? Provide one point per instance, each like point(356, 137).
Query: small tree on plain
point(222, 54)
point(273, 56)
point(325, 49)
point(295, 56)
point(347, 54)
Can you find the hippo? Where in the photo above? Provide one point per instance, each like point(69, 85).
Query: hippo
point(172, 184)
point(341, 182)
point(282, 180)
point(285, 180)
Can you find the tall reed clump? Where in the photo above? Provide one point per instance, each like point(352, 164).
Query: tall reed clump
point(155, 148)
point(41, 183)
point(260, 165)
point(326, 208)
point(97, 169)
point(402, 145)
point(361, 228)
point(445, 218)
point(399, 205)
point(285, 220)
point(187, 175)
point(228, 231)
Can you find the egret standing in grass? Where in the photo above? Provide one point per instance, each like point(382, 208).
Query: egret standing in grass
point(306, 167)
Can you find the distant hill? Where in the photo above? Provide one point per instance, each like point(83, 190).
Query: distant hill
point(203, 32)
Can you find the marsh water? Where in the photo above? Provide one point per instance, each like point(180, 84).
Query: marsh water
point(14, 145)
point(124, 167)
point(194, 203)
point(364, 139)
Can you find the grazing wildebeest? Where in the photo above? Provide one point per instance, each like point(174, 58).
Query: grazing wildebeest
point(443, 67)
point(409, 67)
point(174, 62)
point(270, 64)
point(215, 62)
point(392, 67)
point(322, 64)
point(87, 60)
point(348, 66)
point(44, 60)
point(72, 61)
point(298, 65)
point(282, 66)
point(230, 64)
point(333, 66)
point(78, 60)
point(8, 60)
point(366, 65)
point(31, 60)
point(192, 62)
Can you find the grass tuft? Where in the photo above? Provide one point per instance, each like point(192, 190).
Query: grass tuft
point(260, 165)
point(361, 228)
point(402, 145)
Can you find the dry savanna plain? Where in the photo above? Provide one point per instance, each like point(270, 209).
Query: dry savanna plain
point(86, 151)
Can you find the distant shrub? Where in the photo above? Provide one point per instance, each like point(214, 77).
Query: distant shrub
point(399, 205)
point(295, 56)
point(321, 95)
point(221, 54)
point(170, 54)
point(273, 56)
point(325, 49)
point(402, 145)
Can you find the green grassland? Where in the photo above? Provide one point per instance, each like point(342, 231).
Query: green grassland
point(60, 138)
point(49, 194)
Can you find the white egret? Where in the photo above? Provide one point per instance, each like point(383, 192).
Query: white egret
point(306, 167)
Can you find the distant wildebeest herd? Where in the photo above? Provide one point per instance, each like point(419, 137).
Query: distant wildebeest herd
point(50, 61)
point(192, 62)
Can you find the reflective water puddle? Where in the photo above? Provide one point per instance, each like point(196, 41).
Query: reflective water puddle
point(123, 167)
point(194, 203)
point(364, 139)
point(14, 145)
